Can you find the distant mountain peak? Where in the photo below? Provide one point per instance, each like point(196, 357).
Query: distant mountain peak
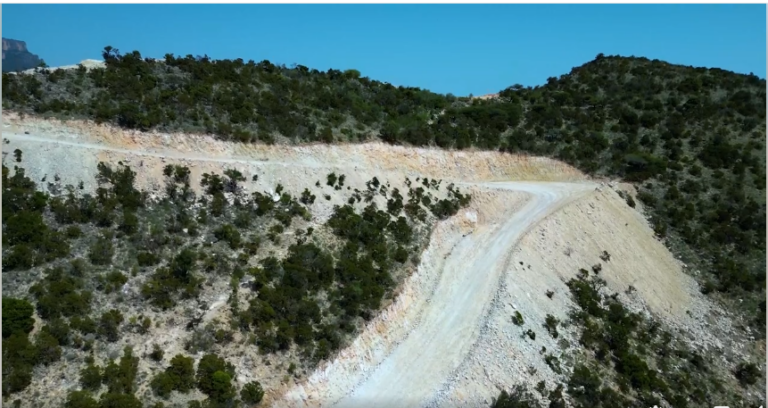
point(16, 56)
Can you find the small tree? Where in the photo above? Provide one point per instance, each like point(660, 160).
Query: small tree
point(252, 393)
point(109, 323)
point(90, 377)
point(120, 378)
point(550, 324)
point(17, 316)
point(233, 178)
point(221, 389)
point(331, 179)
point(182, 372)
point(48, 350)
point(206, 368)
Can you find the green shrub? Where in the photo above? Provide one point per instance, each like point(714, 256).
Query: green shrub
point(112, 400)
point(59, 330)
point(208, 366)
point(73, 232)
point(550, 323)
point(584, 386)
point(747, 374)
point(553, 363)
point(59, 294)
point(221, 389)
point(84, 325)
point(90, 377)
point(229, 234)
point(147, 259)
point(80, 399)
point(48, 349)
point(17, 316)
point(162, 384)
point(121, 378)
point(101, 252)
point(181, 373)
point(331, 179)
point(114, 281)
point(518, 397)
point(517, 318)
point(252, 393)
point(531, 334)
point(157, 353)
point(109, 325)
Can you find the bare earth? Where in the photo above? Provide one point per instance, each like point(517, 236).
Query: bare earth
point(447, 339)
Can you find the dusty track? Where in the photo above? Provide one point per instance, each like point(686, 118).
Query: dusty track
point(450, 319)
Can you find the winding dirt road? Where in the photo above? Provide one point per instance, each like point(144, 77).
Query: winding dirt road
point(450, 321)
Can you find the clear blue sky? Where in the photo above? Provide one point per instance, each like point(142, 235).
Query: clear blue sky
point(460, 49)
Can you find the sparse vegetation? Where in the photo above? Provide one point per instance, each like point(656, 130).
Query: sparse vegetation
point(692, 139)
point(626, 359)
point(312, 298)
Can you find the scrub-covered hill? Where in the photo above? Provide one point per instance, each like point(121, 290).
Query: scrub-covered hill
point(690, 140)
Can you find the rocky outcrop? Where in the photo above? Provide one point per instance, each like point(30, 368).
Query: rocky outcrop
point(16, 57)
point(13, 45)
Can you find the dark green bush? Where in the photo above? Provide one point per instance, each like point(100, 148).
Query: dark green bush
point(109, 325)
point(90, 377)
point(209, 379)
point(80, 399)
point(519, 397)
point(252, 393)
point(17, 316)
point(747, 373)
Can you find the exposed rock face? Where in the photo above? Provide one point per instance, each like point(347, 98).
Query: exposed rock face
point(16, 57)
point(13, 45)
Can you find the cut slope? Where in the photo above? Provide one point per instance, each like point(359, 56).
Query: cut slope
point(548, 256)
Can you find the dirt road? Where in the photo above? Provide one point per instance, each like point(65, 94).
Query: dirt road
point(165, 154)
point(417, 368)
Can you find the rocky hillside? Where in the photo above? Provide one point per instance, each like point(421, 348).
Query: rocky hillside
point(135, 269)
point(16, 57)
point(691, 140)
